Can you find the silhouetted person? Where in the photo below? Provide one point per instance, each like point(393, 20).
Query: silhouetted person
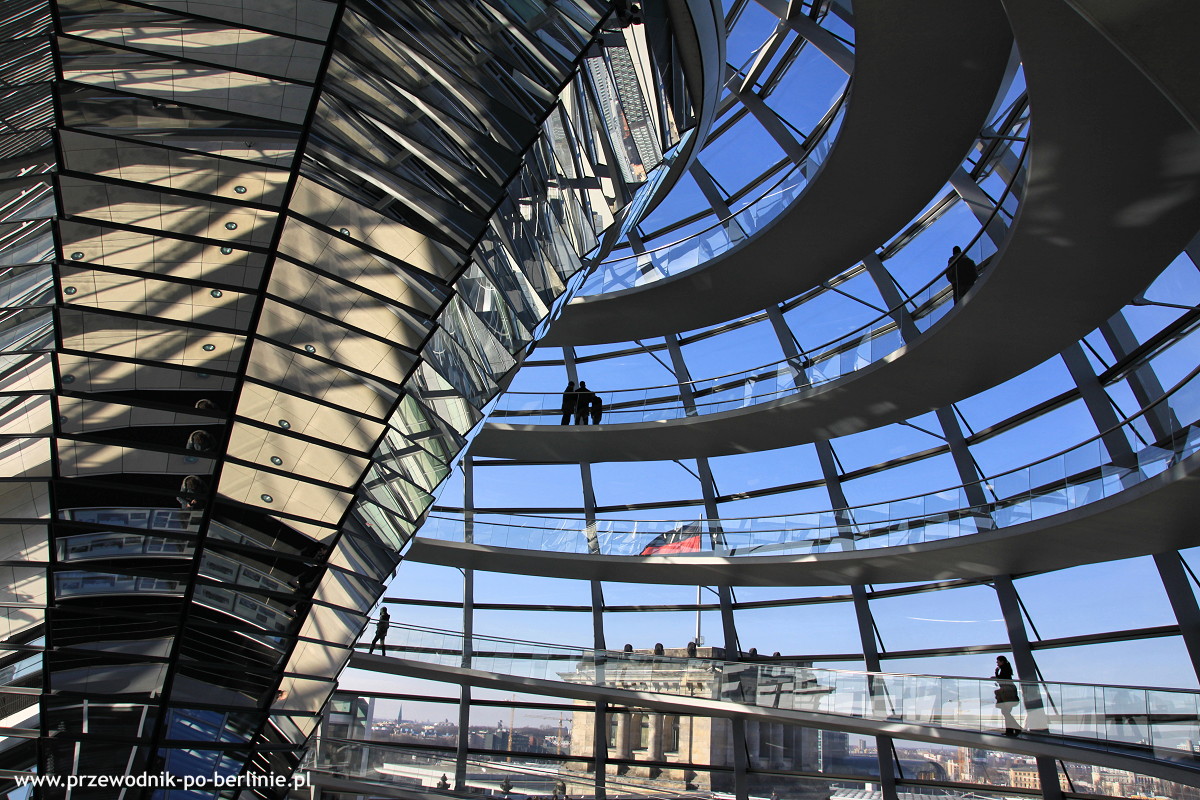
point(191, 493)
point(381, 629)
point(569, 402)
point(202, 441)
point(628, 13)
point(628, 648)
point(596, 407)
point(1006, 695)
point(691, 649)
point(1004, 670)
point(581, 405)
point(961, 272)
point(315, 553)
point(1124, 701)
point(658, 649)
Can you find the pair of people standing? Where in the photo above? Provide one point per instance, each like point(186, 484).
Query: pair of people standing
point(580, 403)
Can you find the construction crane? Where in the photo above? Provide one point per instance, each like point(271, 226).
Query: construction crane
point(561, 717)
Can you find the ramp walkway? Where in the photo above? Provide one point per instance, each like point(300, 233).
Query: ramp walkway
point(1074, 506)
point(1141, 729)
point(942, 98)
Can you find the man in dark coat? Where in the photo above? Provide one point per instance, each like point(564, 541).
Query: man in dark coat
point(569, 401)
point(961, 272)
point(381, 630)
point(583, 403)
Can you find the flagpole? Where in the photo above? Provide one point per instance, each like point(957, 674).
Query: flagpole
point(697, 616)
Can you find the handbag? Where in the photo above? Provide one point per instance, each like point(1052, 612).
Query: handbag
point(1006, 693)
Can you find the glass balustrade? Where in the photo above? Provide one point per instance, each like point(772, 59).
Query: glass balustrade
point(1070, 479)
point(1162, 723)
point(434, 771)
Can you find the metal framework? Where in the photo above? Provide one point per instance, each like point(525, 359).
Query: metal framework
point(263, 268)
point(265, 271)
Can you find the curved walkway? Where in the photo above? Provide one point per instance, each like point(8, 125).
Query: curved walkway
point(898, 144)
point(1163, 509)
point(1148, 731)
point(785, 377)
point(908, 316)
point(1070, 502)
point(1085, 241)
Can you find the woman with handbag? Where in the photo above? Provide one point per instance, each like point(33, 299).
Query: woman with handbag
point(1006, 695)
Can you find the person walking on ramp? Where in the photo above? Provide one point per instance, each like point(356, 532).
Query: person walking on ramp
point(381, 629)
point(961, 271)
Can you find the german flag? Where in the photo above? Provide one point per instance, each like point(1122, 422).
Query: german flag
point(685, 539)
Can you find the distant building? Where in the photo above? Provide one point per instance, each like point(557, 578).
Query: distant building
point(643, 743)
point(1025, 776)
